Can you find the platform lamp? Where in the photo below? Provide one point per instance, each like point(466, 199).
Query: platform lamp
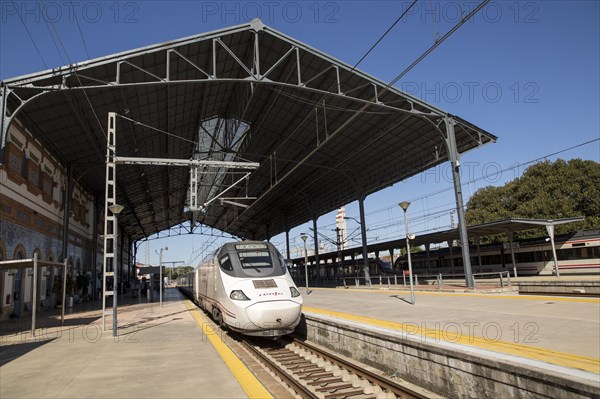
point(304, 237)
point(115, 210)
point(404, 205)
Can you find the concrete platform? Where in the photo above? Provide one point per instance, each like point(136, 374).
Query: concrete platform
point(563, 330)
point(159, 353)
point(465, 345)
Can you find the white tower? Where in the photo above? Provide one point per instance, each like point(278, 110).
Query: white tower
point(340, 224)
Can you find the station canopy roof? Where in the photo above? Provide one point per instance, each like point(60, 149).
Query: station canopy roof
point(323, 133)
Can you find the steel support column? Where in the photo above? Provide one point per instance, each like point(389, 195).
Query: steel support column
point(454, 157)
point(130, 278)
point(287, 244)
point(3, 118)
point(317, 266)
point(121, 268)
point(512, 253)
point(34, 300)
point(550, 230)
point(479, 254)
point(427, 247)
point(363, 233)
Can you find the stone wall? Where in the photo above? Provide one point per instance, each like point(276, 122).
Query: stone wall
point(441, 369)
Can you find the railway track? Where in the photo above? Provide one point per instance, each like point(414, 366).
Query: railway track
point(314, 373)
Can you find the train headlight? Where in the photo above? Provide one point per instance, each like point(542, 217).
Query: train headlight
point(294, 292)
point(238, 295)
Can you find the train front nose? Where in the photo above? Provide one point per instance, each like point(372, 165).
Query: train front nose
point(274, 314)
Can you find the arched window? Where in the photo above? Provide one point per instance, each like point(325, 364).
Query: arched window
point(19, 252)
point(2, 252)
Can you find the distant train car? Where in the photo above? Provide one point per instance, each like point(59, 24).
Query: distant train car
point(577, 253)
point(247, 287)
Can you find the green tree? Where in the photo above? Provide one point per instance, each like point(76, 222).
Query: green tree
point(546, 190)
point(181, 270)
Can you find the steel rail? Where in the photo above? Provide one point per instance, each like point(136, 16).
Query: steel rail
point(386, 383)
point(295, 385)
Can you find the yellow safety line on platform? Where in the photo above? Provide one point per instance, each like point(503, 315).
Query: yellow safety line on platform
point(520, 350)
point(488, 296)
point(251, 385)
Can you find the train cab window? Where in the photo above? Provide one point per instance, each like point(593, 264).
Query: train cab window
point(253, 256)
point(226, 263)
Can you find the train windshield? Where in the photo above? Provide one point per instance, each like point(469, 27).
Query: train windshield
point(254, 256)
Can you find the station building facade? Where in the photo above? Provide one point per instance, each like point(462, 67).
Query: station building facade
point(33, 194)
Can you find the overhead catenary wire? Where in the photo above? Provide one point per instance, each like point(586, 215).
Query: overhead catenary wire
point(388, 86)
point(422, 216)
point(80, 31)
point(438, 42)
point(383, 35)
point(45, 18)
point(77, 76)
point(516, 166)
point(322, 99)
point(29, 34)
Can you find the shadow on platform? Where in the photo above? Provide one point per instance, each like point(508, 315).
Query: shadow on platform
point(18, 349)
point(133, 311)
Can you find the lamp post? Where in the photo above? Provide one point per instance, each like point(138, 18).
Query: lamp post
point(404, 205)
point(160, 283)
point(304, 238)
point(115, 209)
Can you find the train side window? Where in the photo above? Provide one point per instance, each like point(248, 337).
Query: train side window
point(226, 263)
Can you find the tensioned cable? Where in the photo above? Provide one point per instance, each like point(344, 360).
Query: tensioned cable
point(383, 36)
point(167, 133)
point(389, 85)
point(309, 114)
point(421, 215)
point(438, 42)
point(157, 129)
point(77, 76)
point(511, 168)
point(80, 32)
point(29, 33)
point(45, 17)
point(433, 193)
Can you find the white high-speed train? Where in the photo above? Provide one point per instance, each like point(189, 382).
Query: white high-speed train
point(247, 287)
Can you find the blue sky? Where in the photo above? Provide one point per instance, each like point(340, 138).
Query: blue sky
point(526, 71)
